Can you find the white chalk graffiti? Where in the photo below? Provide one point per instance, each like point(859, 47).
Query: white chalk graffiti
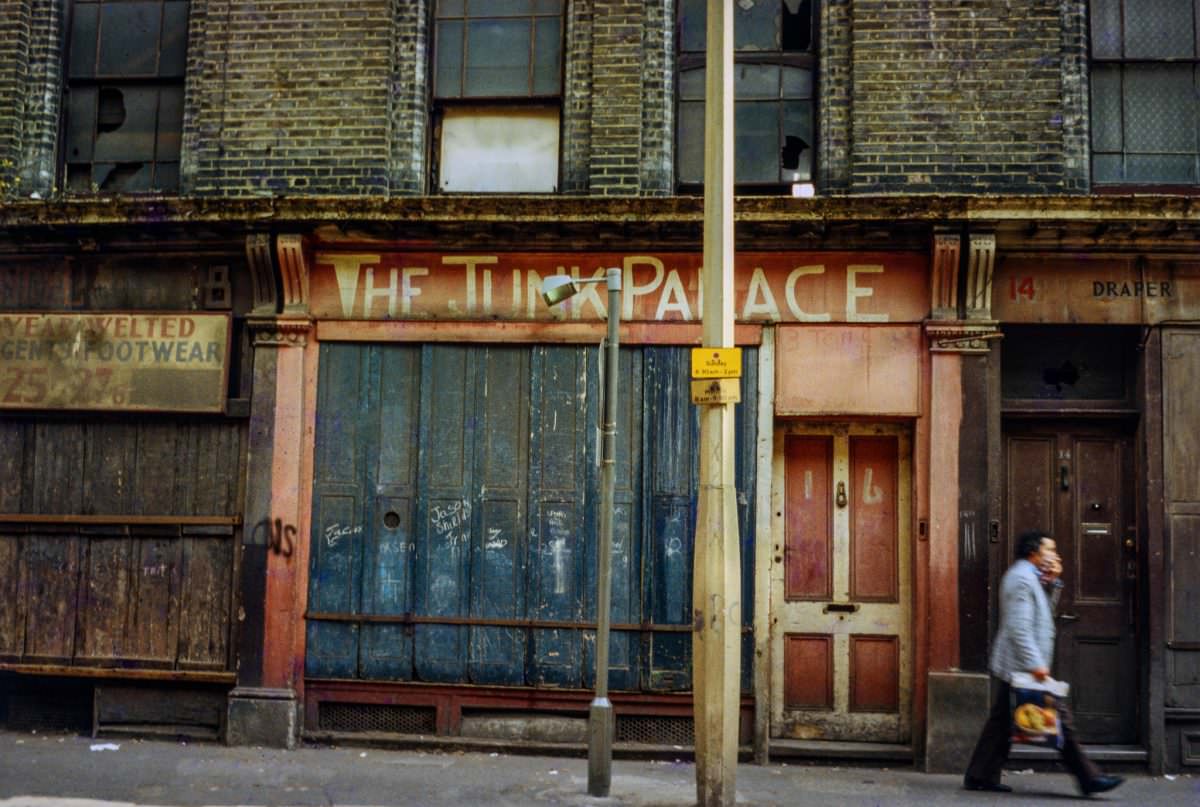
point(334, 533)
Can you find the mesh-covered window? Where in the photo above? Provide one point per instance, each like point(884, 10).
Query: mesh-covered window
point(123, 110)
point(774, 88)
point(1145, 75)
point(497, 87)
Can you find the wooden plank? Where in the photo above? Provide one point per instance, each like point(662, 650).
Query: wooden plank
point(59, 454)
point(444, 507)
point(12, 605)
point(154, 476)
point(670, 446)
point(130, 673)
point(52, 573)
point(13, 466)
point(391, 476)
point(498, 546)
point(204, 601)
point(108, 470)
point(628, 546)
point(130, 520)
point(153, 625)
point(560, 515)
point(106, 593)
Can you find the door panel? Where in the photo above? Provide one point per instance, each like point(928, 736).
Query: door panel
point(1076, 481)
point(841, 598)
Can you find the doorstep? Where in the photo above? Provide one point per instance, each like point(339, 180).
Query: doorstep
point(1130, 754)
point(830, 750)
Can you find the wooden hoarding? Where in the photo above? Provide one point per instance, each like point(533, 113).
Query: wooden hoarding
point(174, 362)
point(374, 284)
point(1096, 290)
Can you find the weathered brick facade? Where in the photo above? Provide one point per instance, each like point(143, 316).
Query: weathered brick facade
point(296, 97)
point(962, 97)
point(289, 97)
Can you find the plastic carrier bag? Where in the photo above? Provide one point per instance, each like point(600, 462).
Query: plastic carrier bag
point(1035, 710)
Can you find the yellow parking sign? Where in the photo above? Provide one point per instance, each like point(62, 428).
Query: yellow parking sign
point(716, 362)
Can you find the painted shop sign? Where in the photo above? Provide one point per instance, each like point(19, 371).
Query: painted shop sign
point(110, 361)
point(1123, 290)
point(662, 287)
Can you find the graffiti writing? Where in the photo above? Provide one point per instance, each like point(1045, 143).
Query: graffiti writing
point(279, 537)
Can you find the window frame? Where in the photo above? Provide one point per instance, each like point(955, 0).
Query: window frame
point(1120, 63)
point(439, 104)
point(805, 60)
point(97, 81)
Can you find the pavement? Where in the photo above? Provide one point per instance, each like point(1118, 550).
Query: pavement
point(68, 770)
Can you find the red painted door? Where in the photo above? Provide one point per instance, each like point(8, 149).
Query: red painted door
point(841, 586)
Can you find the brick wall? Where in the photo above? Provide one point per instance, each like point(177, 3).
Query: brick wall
point(408, 117)
point(577, 99)
point(30, 31)
point(954, 96)
point(289, 97)
point(14, 68)
point(616, 98)
point(658, 99)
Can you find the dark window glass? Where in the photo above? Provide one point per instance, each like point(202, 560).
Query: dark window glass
point(498, 49)
point(124, 98)
point(775, 61)
point(1055, 362)
point(1145, 76)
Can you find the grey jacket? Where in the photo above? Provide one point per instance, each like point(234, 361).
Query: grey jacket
point(1026, 636)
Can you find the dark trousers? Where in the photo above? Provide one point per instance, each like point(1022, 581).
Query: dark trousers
point(991, 752)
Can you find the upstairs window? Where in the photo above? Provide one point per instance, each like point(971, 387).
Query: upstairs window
point(775, 63)
point(123, 110)
point(497, 87)
point(1144, 77)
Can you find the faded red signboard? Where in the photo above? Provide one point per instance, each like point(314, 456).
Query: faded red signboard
point(1085, 289)
point(114, 361)
point(657, 287)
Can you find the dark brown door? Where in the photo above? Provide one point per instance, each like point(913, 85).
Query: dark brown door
point(1077, 481)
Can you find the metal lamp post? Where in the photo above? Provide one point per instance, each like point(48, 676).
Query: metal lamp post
point(555, 289)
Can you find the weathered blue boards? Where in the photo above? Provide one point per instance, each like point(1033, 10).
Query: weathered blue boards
point(454, 515)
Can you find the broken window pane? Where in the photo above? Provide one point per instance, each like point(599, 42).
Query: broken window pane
point(797, 83)
point(797, 28)
point(122, 177)
point(166, 176)
point(129, 38)
point(690, 156)
point(756, 81)
point(133, 139)
point(756, 24)
point(692, 25)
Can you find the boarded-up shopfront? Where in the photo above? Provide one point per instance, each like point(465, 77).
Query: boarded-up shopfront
point(120, 508)
point(454, 478)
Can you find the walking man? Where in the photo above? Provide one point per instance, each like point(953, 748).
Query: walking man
point(1025, 643)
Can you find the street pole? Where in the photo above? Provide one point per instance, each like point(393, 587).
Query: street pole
point(600, 715)
point(716, 586)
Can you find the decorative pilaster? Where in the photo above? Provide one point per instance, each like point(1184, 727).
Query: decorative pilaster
point(947, 254)
point(264, 709)
point(981, 259)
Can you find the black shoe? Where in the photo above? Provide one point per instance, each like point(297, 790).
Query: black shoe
point(996, 787)
point(1101, 784)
